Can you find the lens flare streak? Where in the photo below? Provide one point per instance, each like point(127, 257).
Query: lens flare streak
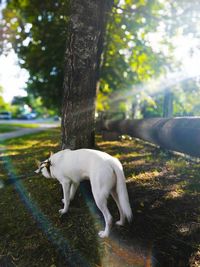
point(72, 257)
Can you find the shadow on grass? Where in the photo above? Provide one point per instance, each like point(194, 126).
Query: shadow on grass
point(32, 232)
point(163, 190)
point(164, 197)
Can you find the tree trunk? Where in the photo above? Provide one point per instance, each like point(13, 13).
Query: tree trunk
point(168, 104)
point(82, 63)
point(176, 134)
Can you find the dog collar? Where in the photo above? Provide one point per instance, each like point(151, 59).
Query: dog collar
point(47, 165)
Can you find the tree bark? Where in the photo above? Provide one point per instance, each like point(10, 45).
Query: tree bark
point(168, 104)
point(82, 63)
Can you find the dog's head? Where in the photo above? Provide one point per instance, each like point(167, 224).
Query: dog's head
point(44, 167)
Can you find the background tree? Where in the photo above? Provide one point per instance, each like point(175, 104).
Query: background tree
point(147, 30)
point(37, 31)
point(20, 104)
point(168, 103)
point(129, 58)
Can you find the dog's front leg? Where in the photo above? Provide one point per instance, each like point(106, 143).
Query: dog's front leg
point(73, 189)
point(66, 196)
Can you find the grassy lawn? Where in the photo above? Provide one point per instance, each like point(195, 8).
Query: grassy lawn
point(164, 195)
point(6, 128)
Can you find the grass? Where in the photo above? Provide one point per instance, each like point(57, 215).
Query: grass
point(6, 128)
point(164, 195)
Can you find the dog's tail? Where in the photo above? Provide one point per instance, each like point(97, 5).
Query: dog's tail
point(121, 189)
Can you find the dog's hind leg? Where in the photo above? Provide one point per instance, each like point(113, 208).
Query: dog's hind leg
point(102, 182)
point(116, 199)
point(102, 205)
point(101, 202)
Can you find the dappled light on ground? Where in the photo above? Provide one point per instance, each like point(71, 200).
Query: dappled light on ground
point(159, 185)
point(164, 196)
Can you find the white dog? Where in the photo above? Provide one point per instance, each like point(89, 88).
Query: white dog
point(106, 176)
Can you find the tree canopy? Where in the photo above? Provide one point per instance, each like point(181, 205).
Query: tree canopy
point(38, 31)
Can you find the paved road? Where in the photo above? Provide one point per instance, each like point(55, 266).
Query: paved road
point(41, 122)
point(42, 126)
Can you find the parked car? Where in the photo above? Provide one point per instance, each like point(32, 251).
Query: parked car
point(5, 115)
point(28, 116)
point(57, 118)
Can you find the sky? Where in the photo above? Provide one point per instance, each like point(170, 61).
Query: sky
point(12, 78)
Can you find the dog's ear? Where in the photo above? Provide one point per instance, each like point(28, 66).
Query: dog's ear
point(37, 162)
point(51, 153)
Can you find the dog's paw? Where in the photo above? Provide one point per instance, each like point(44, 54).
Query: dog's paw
point(62, 211)
point(103, 234)
point(120, 223)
